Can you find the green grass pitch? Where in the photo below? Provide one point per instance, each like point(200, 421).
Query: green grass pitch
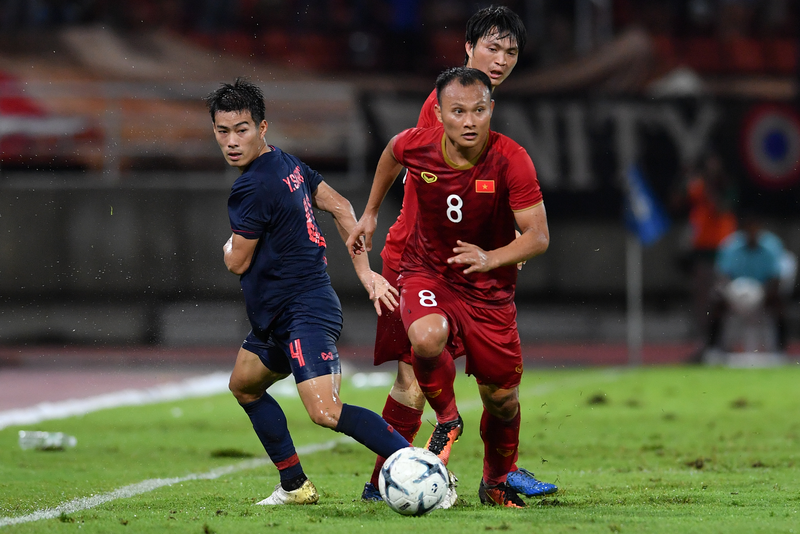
point(660, 449)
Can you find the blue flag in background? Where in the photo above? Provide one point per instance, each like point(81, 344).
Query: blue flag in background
point(643, 213)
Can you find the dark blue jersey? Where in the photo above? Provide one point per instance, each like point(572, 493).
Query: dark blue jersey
point(271, 202)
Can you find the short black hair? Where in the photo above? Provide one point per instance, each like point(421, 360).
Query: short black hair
point(496, 20)
point(466, 76)
point(241, 95)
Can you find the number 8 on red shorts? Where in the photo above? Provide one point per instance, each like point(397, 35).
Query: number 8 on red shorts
point(489, 334)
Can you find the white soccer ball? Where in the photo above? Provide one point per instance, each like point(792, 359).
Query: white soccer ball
point(745, 295)
point(413, 481)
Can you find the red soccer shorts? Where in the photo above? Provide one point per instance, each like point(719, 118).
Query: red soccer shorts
point(489, 335)
point(391, 340)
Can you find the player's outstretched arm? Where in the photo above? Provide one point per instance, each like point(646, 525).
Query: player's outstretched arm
point(380, 291)
point(533, 240)
point(238, 253)
point(360, 238)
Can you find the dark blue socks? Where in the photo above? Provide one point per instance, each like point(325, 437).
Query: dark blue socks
point(269, 422)
point(369, 429)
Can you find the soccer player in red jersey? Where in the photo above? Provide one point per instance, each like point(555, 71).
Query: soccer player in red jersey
point(458, 268)
point(494, 38)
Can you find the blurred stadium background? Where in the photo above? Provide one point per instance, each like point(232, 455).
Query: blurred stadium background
point(113, 192)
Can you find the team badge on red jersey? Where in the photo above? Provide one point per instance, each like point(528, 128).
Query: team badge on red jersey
point(484, 186)
point(429, 177)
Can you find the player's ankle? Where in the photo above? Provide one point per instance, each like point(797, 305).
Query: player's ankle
point(294, 483)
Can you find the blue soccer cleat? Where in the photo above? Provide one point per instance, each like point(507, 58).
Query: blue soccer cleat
point(371, 493)
point(523, 481)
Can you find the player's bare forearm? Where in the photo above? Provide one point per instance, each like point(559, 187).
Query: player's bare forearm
point(360, 261)
point(529, 244)
point(327, 199)
point(345, 221)
point(378, 288)
point(523, 248)
point(344, 217)
point(227, 248)
point(386, 172)
point(237, 253)
point(533, 239)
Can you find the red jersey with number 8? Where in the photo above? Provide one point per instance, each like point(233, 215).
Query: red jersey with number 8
point(474, 203)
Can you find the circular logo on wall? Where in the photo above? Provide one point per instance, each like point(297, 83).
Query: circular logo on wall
point(771, 145)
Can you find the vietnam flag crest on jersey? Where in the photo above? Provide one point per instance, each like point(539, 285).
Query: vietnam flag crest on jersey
point(484, 186)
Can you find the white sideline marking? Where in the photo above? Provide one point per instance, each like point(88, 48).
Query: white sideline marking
point(200, 386)
point(84, 503)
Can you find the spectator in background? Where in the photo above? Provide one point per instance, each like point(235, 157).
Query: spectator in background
point(753, 253)
point(709, 196)
point(405, 39)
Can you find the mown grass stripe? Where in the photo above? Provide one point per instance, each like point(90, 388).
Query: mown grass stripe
point(85, 503)
point(198, 387)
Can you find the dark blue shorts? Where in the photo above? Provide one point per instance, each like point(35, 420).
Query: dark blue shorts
point(302, 337)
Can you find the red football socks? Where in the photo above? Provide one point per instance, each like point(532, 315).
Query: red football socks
point(406, 422)
point(435, 377)
point(500, 444)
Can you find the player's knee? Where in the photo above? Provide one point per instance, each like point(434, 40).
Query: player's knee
point(505, 411)
point(324, 418)
point(503, 404)
point(243, 397)
point(427, 343)
point(244, 393)
point(428, 335)
point(240, 396)
point(233, 386)
point(508, 411)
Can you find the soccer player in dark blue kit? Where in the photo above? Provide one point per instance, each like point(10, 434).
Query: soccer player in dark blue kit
point(278, 251)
